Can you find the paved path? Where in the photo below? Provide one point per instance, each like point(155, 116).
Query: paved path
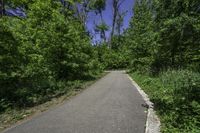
point(111, 105)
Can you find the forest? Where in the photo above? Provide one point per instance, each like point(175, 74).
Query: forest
point(50, 48)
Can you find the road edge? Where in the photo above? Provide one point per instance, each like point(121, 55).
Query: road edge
point(52, 107)
point(153, 122)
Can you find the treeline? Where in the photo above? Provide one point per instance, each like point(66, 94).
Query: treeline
point(165, 34)
point(163, 42)
point(41, 54)
point(51, 49)
point(161, 35)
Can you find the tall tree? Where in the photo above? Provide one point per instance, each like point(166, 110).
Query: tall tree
point(99, 6)
point(115, 7)
point(2, 8)
point(177, 23)
point(82, 10)
point(40, 53)
point(102, 28)
point(86, 6)
point(141, 37)
point(119, 22)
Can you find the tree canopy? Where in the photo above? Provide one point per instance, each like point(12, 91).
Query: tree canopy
point(51, 46)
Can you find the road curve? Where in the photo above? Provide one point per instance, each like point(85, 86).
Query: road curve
point(111, 105)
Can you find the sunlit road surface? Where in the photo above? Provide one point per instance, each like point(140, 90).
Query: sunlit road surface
point(111, 105)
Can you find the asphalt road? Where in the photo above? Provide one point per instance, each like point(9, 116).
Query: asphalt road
point(111, 105)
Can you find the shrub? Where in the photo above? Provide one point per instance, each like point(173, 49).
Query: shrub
point(176, 95)
point(40, 53)
point(183, 88)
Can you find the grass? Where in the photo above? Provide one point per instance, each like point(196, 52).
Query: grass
point(176, 95)
point(17, 115)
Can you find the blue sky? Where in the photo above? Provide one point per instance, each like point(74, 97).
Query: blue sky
point(107, 15)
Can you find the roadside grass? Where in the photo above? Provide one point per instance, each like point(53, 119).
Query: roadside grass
point(16, 115)
point(176, 95)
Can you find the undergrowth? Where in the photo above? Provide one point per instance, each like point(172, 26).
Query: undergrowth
point(176, 95)
point(40, 103)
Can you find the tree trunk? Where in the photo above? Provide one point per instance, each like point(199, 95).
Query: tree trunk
point(103, 32)
point(2, 10)
point(115, 9)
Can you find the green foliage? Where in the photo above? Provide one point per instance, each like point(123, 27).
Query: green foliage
point(142, 38)
point(176, 97)
point(40, 54)
point(50, 49)
point(164, 34)
point(113, 58)
point(161, 35)
point(102, 28)
point(98, 5)
point(177, 22)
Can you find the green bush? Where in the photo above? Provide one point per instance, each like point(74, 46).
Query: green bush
point(41, 53)
point(185, 84)
point(176, 94)
point(183, 88)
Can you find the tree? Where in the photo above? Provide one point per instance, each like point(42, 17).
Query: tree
point(1, 8)
point(119, 22)
point(141, 37)
point(116, 7)
point(83, 8)
point(102, 28)
point(42, 52)
point(179, 33)
point(99, 6)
